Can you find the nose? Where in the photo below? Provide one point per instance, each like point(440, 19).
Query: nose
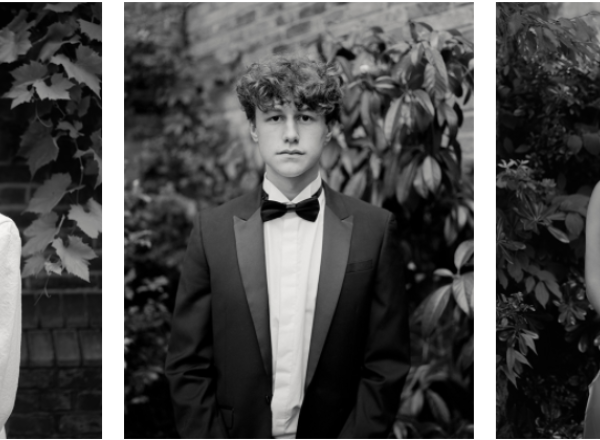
point(290, 135)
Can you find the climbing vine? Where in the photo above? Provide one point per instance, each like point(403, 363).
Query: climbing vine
point(51, 107)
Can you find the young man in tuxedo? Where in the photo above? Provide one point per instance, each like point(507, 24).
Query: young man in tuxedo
point(290, 319)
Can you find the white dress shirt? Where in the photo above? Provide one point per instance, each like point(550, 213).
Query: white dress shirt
point(10, 317)
point(293, 261)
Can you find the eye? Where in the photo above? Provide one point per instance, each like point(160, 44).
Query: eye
point(274, 118)
point(306, 118)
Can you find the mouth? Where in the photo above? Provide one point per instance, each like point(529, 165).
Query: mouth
point(292, 152)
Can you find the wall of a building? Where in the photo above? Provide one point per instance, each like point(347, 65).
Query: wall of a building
point(60, 385)
point(218, 33)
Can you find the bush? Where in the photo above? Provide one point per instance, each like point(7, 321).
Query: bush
point(547, 149)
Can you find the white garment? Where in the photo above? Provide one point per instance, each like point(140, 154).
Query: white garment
point(10, 316)
point(293, 260)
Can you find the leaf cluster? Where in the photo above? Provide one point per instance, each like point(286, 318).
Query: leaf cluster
point(547, 150)
point(51, 58)
point(397, 147)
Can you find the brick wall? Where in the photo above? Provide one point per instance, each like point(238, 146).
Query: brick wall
point(219, 33)
point(60, 385)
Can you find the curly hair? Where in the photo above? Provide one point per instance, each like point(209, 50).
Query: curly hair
point(281, 80)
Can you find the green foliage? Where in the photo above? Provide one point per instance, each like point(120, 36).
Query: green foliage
point(398, 148)
point(182, 160)
point(50, 60)
point(547, 149)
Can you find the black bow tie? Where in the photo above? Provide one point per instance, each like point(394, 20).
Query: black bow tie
point(307, 209)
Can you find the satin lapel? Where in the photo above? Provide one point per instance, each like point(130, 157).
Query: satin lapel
point(334, 258)
point(251, 260)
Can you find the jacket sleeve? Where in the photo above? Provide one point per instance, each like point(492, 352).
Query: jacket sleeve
point(387, 351)
point(10, 315)
point(189, 366)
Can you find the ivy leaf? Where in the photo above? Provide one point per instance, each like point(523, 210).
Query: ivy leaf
point(29, 73)
point(97, 147)
point(55, 38)
point(13, 44)
point(33, 265)
point(38, 146)
point(92, 30)
point(61, 7)
point(73, 129)
point(57, 89)
point(19, 95)
point(56, 268)
point(85, 69)
point(93, 167)
point(40, 233)
point(75, 256)
point(89, 219)
point(25, 76)
point(49, 194)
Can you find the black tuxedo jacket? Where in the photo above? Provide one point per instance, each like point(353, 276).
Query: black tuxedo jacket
point(219, 360)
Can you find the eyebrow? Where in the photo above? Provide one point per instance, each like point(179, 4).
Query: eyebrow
point(278, 108)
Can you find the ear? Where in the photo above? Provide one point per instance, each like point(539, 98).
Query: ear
point(329, 132)
point(253, 133)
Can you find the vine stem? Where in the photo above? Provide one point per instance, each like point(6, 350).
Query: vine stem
point(37, 116)
point(80, 179)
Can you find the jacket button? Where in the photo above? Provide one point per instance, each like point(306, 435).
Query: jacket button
point(268, 399)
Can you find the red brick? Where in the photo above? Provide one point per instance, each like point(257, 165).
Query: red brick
point(26, 402)
point(245, 18)
point(80, 423)
point(14, 173)
point(76, 310)
point(298, 29)
point(38, 378)
point(78, 378)
point(50, 309)
point(58, 282)
point(30, 315)
point(41, 350)
point(91, 346)
point(24, 352)
point(271, 8)
point(66, 346)
point(312, 9)
point(89, 401)
point(12, 195)
point(35, 425)
point(94, 302)
point(55, 401)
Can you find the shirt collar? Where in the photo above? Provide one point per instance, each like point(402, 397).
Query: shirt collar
point(277, 196)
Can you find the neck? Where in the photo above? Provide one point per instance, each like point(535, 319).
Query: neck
point(292, 186)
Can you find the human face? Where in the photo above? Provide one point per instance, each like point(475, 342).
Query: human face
point(291, 142)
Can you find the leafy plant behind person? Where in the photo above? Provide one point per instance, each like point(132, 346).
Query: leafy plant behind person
point(397, 147)
point(547, 149)
point(51, 59)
